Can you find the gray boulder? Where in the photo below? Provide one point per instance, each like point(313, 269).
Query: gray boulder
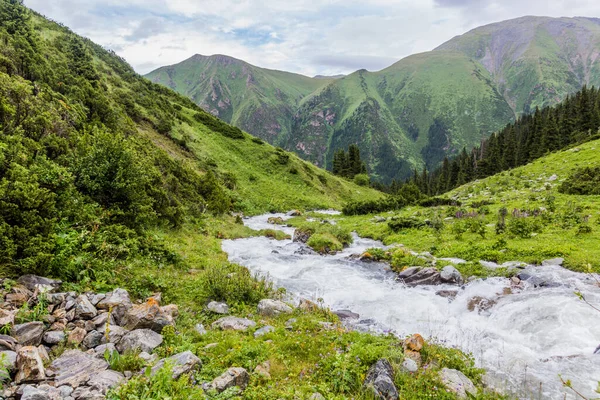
point(8, 359)
point(146, 316)
point(270, 308)
point(410, 365)
point(118, 300)
point(346, 314)
point(263, 331)
point(84, 309)
point(181, 363)
point(233, 324)
point(554, 261)
point(200, 329)
point(142, 339)
point(105, 380)
point(115, 334)
point(75, 368)
point(101, 350)
point(415, 276)
point(29, 334)
point(450, 274)
point(456, 382)
point(380, 381)
point(53, 337)
point(33, 282)
point(218, 308)
point(30, 367)
point(93, 339)
point(232, 377)
point(32, 393)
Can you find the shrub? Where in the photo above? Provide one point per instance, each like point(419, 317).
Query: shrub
point(258, 140)
point(585, 181)
point(400, 223)
point(439, 201)
point(324, 243)
point(234, 285)
point(374, 206)
point(523, 227)
point(362, 179)
point(219, 126)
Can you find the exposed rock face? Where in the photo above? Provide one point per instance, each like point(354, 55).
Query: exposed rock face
point(30, 367)
point(456, 382)
point(380, 381)
point(142, 339)
point(346, 314)
point(29, 334)
point(75, 367)
point(414, 276)
point(232, 377)
point(181, 363)
point(233, 323)
point(218, 308)
point(450, 274)
point(270, 308)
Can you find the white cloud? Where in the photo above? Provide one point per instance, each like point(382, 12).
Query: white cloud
point(310, 37)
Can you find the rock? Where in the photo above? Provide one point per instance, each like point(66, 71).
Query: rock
point(346, 314)
point(449, 294)
point(171, 310)
point(294, 213)
point(450, 274)
point(148, 358)
point(271, 308)
point(489, 264)
point(7, 317)
point(115, 334)
point(8, 359)
point(211, 346)
point(93, 339)
point(200, 329)
point(232, 377)
point(380, 381)
point(65, 391)
point(264, 370)
point(301, 235)
point(316, 396)
point(413, 355)
point(146, 316)
point(289, 324)
point(307, 305)
point(33, 282)
point(32, 393)
point(75, 367)
point(142, 339)
point(181, 363)
point(30, 367)
point(218, 308)
point(456, 382)
point(553, 178)
point(101, 350)
point(452, 260)
point(77, 335)
point(118, 300)
point(480, 303)
point(101, 320)
point(414, 276)
point(554, 261)
point(378, 219)
point(95, 298)
point(414, 343)
point(84, 309)
point(7, 343)
point(105, 380)
point(29, 334)
point(409, 365)
point(70, 304)
point(43, 353)
point(263, 331)
point(233, 323)
point(16, 299)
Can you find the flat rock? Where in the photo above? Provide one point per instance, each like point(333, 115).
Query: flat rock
point(554, 261)
point(32, 393)
point(181, 363)
point(218, 308)
point(142, 339)
point(53, 337)
point(263, 331)
point(75, 368)
point(232, 377)
point(33, 282)
point(489, 264)
point(346, 314)
point(270, 308)
point(105, 380)
point(29, 334)
point(414, 276)
point(77, 335)
point(449, 274)
point(233, 324)
point(380, 381)
point(449, 294)
point(456, 382)
point(30, 367)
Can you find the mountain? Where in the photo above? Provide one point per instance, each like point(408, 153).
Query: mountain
point(413, 113)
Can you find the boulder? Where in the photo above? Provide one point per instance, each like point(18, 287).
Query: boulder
point(263, 331)
point(84, 309)
point(29, 334)
point(301, 235)
point(7, 343)
point(75, 368)
point(142, 339)
point(232, 377)
point(380, 381)
point(181, 363)
point(30, 367)
point(316, 396)
point(218, 308)
point(101, 320)
point(16, 299)
point(101, 350)
point(294, 213)
point(415, 276)
point(171, 310)
point(33, 282)
point(480, 304)
point(7, 317)
point(307, 305)
point(113, 334)
point(146, 316)
point(410, 365)
point(200, 329)
point(449, 294)
point(271, 308)
point(118, 301)
point(346, 314)
point(233, 324)
point(414, 343)
point(456, 382)
point(450, 274)
point(53, 337)
point(105, 380)
point(77, 335)
point(93, 339)
point(8, 359)
point(32, 393)
point(263, 370)
point(554, 261)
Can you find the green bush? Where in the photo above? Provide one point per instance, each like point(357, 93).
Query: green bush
point(324, 243)
point(388, 203)
point(397, 224)
point(362, 179)
point(233, 285)
point(585, 181)
point(217, 125)
point(524, 227)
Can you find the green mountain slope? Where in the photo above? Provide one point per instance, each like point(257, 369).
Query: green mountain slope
point(418, 110)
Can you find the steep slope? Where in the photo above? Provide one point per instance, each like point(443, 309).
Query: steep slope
point(535, 61)
point(259, 100)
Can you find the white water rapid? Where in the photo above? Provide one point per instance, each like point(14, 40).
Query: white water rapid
point(525, 340)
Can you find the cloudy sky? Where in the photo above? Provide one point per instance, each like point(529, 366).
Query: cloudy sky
point(309, 37)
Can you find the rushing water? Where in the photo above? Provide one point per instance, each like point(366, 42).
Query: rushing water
point(525, 340)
